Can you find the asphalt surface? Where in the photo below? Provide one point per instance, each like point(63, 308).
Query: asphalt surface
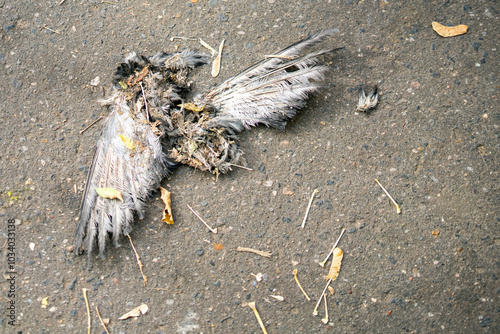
point(432, 142)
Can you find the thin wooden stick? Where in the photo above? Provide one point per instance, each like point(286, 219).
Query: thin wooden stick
point(88, 309)
point(62, 1)
point(144, 277)
point(333, 248)
point(97, 120)
point(252, 306)
point(201, 219)
point(309, 207)
point(300, 286)
point(47, 28)
point(390, 197)
point(242, 167)
point(102, 321)
point(325, 319)
point(315, 312)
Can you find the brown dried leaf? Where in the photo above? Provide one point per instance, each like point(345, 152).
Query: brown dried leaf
point(435, 233)
point(141, 309)
point(218, 247)
point(109, 193)
point(338, 254)
point(167, 213)
point(445, 31)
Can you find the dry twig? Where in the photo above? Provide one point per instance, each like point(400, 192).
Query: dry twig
point(97, 120)
point(300, 286)
point(213, 230)
point(102, 321)
point(258, 252)
point(47, 28)
point(252, 306)
point(88, 309)
point(315, 312)
point(325, 319)
point(390, 197)
point(333, 248)
point(309, 207)
point(144, 277)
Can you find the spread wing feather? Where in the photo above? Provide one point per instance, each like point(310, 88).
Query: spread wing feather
point(271, 91)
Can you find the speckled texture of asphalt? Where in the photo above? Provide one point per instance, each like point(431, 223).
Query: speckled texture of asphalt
point(432, 142)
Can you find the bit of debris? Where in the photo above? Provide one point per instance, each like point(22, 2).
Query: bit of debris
point(45, 302)
point(367, 101)
point(102, 321)
point(258, 252)
point(325, 319)
point(97, 120)
point(213, 230)
point(435, 233)
point(89, 322)
point(300, 286)
point(216, 63)
point(139, 262)
point(338, 254)
point(95, 81)
point(167, 212)
point(322, 264)
point(51, 30)
point(258, 277)
point(280, 298)
point(109, 193)
point(212, 50)
point(309, 207)
point(252, 306)
point(141, 309)
point(129, 143)
point(390, 197)
point(444, 31)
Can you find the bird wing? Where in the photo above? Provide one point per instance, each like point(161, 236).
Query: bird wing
point(128, 159)
point(271, 91)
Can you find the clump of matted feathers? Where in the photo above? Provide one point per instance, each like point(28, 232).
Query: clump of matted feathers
point(153, 125)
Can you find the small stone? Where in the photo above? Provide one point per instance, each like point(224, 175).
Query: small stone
point(32, 246)
point(204, 203)
point(199, 252)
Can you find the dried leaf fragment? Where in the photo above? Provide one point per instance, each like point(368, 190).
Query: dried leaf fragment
point(129, 143)
point(141, 309)
point(338, 254)
point(258, 252)
point(280, 298)
point(216, 63)
point(218, 246)
point(45, 302)
point(445, 31)
point(192, 107)
point(167, 213)
point(109, 193)
point(435, 233)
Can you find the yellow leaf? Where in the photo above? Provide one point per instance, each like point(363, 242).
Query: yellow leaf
point(192, 107)
point(123, 84)
point(45, 302)
point(218, 247)
point(109, 193)
point(167, 213)
point(129, 143)
point(449, 31)
point(338, 254)
point(141, 309)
